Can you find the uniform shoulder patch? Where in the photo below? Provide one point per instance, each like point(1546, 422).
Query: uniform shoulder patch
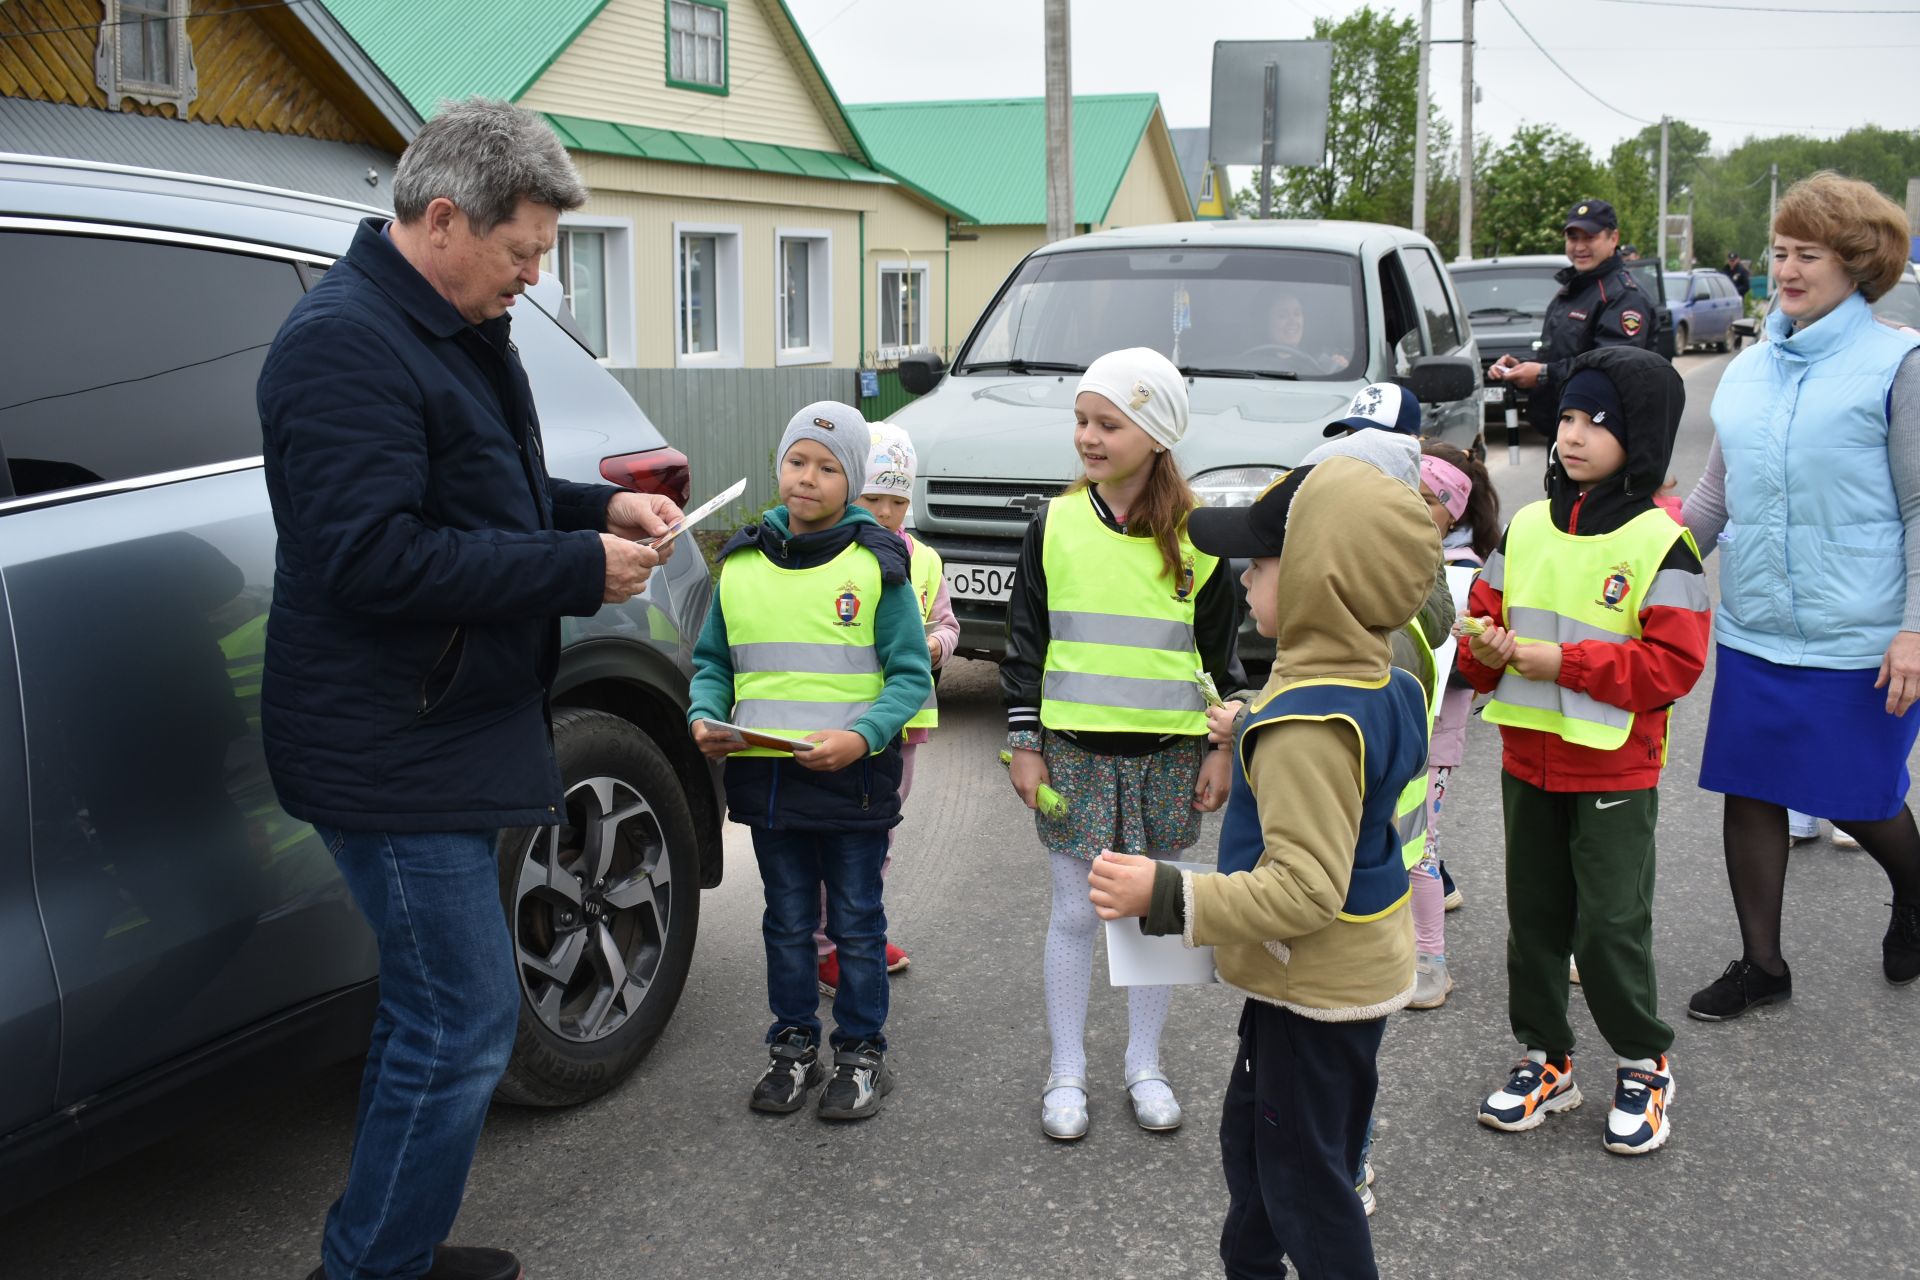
point(1631, 321)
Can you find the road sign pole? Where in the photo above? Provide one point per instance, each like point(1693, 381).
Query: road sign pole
point(1269, 123)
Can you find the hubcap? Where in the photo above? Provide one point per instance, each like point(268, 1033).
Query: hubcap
point(591, 908)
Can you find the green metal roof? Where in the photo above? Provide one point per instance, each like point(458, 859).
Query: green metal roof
point(990, 157)
point(643, 143)
point(439, 49)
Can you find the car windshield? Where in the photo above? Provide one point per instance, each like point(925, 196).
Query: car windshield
point(1677, 287)
point(1494, 290)
point(1277, 313)
point(1901, 304)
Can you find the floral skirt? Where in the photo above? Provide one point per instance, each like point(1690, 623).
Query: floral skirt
point(1130, 804)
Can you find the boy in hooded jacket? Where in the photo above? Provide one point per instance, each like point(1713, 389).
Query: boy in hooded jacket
point(814, 633)
point(1594, 621)
point(1309, 914)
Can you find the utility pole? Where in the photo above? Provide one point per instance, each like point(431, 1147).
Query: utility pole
point(1773, 205)
point(1663, 194)
point(1420, 121)
point(1059, 122)
point(1466, 129)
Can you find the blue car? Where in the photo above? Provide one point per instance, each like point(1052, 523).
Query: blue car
point(1704, 304)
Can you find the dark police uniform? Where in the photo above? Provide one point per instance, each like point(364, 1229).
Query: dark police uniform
point(1605, 307)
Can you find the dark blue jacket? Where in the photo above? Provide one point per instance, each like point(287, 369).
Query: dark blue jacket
point(772, 792)
point(424, 559)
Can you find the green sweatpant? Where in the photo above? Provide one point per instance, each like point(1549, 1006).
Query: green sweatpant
point(1580, 879)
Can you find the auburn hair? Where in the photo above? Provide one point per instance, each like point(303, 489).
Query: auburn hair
point(1161, 510)
point(1865, 230)
point(1483, 504)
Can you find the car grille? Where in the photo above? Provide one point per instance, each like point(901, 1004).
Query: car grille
point(1003, 502)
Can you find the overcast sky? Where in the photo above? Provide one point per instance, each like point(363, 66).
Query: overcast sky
point(1733, 71)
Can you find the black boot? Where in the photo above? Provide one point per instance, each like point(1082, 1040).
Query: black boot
point(1739, 989)
point(1900, 949)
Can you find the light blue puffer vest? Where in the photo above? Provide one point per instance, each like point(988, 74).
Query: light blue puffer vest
point(1812, 560)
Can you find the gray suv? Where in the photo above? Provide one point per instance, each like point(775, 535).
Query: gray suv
point(166, 931)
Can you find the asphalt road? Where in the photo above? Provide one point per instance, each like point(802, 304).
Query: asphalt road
point(1795, 1130)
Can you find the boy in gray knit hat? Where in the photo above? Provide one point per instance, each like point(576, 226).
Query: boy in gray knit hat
point(814, 641)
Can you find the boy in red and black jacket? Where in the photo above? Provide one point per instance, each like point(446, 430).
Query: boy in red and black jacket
point(1594, 621)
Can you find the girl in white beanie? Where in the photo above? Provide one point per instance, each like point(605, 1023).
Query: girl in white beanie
point(1113, 612)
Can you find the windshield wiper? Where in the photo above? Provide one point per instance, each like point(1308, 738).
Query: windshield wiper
point(1025, 366)
point(1502, 311)
point(1194, 371)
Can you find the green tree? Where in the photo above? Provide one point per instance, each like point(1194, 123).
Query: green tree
point(1632, 188)
point(1368, 172)
point(1523, 192)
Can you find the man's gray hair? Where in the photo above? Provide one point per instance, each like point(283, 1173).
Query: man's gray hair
point(485, 156)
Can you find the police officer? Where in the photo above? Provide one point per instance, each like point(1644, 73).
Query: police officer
point(1600, 304)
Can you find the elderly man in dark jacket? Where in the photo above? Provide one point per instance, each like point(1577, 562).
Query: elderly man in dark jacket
point(425, 557)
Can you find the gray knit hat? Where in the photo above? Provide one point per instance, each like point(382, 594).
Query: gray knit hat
point(839, 427)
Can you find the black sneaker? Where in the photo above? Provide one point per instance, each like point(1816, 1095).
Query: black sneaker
point(1900, 949)
point(861, 1078)
point(794, 1068)
point(1743, 986)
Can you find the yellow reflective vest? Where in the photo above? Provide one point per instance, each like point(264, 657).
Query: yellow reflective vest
point(1565, 588)
point(924, 571)
point(801, 642)
point(1121, 655)
point(1410, 810)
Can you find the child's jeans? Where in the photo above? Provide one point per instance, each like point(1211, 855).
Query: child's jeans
point(794, 865)
point(822, 944)
point(1291, 1132)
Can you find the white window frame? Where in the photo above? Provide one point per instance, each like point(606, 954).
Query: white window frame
point(880, 300)
point(819, 348)
point(620, 314)
point(729, 295)
point(1206, 184)
point(181, 90)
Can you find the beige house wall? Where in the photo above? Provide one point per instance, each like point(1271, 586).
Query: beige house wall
point(616, 69)
point(981, 266)
point(1147, 193)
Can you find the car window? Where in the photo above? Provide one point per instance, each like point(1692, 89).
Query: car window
point(1279, 311)
point(1431, 292)
point(1401, 313)
point(1491, 292)
point(1702, 288)
point(1647, 273)
point(1901, 304)
point(134, 358)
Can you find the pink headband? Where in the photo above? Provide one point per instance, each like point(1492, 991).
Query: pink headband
point(1448, 482)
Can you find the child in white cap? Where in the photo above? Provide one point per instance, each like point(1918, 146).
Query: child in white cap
point(1113, 612)
point(888, 496)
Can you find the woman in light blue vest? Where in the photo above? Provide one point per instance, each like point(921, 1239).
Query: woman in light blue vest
point(1812, 497)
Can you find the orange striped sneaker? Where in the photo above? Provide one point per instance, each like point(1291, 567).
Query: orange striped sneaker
point(1638, 1122)
point(1534, 1091)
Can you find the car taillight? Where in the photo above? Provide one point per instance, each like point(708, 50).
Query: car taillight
point(663, 471)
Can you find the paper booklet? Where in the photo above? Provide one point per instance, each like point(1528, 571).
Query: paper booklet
point(698, 514)
point(1136, 959)
point(755, 738)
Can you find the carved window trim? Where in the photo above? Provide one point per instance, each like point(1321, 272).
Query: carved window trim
point(115, 27)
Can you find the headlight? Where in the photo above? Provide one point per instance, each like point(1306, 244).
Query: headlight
point(1234, 486)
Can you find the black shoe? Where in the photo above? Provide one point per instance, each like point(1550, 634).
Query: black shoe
point(1739, 989)
point(1900, 949)
point(861, 1079)
point(794, 1068)
point(456, 1262)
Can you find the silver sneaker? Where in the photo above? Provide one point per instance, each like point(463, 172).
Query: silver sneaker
point(1159, 1117)
point(1431, 983)
point(1064, 1124)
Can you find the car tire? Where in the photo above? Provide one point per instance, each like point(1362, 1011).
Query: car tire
point(603, 918)
point(1680, 342)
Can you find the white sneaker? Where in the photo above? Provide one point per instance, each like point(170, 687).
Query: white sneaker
point(1841, 840)
point(1573, 971)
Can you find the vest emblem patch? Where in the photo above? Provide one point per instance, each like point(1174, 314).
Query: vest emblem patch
point(1183, 585)
point(1616, 587)
point(846, 606)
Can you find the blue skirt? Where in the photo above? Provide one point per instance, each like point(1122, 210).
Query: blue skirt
point(1813, 739)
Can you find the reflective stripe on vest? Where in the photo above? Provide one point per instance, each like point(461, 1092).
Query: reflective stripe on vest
point(925, 570)
point(801, 642)
point(1410, 810)
point(1564, 589)
point(1121, 655)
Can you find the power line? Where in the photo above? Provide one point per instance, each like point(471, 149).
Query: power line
point(1755, 8)
point(1563, 71)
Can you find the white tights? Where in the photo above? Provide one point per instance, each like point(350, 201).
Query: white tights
point(1069, 971)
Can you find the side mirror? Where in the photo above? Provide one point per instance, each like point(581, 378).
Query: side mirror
point(920, 372)
point(1436, 379)
point(1747, 327)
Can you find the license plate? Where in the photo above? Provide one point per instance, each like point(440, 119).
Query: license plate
point(1494, 395)
point(980, 581)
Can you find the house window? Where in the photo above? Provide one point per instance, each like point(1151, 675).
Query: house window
point(144, 53)
point(697, 45)
point(903, 308)
point(706, 295)
point(582, 260)
point(1206, 185)
point(803, 286)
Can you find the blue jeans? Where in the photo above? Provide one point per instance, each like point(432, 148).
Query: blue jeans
point(793, 866)
point(449, 1007)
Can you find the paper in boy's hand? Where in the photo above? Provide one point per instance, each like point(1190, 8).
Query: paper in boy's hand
point(1468, 625)
point(698, 514)
point(754, 738)
point(1137, 959)
point(1208, 690)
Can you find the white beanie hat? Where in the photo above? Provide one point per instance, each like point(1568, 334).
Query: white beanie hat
point(1146, 386)
point(841, 429)
point(890, 462)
